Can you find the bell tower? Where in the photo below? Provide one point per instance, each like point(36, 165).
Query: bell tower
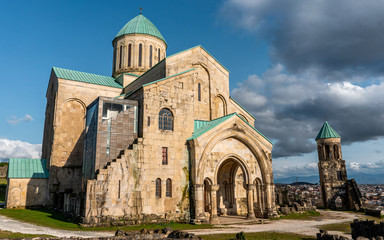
point(337, 192)
point(137, 47)
point(332, 171)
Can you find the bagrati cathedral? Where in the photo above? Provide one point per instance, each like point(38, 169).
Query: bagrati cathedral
point(161, 139)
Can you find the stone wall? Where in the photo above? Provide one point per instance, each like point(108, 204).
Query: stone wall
point(26, 192)
point(3, 171)
point(64, 135)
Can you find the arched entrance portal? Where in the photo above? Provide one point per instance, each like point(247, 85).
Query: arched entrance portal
point(232, 195)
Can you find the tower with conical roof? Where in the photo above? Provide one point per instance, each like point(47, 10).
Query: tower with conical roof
point(337, 192)
point(137, 47)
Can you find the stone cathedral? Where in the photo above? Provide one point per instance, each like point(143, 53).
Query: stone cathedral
point(161, 139)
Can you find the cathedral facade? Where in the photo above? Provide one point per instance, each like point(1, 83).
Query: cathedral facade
point(160, 139)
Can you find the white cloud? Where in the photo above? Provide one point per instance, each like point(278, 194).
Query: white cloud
point(15, 120)
point(18, 149)
point(309, 169)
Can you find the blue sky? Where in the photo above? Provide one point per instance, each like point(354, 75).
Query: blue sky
point(294, 64)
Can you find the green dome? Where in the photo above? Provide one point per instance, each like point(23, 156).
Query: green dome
point(140, 24)
point(327, 131)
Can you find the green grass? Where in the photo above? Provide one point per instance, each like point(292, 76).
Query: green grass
point(7, 234)
point(344, 227)
point(259, 236)
point(52, 219)
point(310, 215)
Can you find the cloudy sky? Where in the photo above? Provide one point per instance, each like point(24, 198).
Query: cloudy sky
point(294, 64)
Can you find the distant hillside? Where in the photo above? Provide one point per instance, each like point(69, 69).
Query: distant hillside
point(361, 178)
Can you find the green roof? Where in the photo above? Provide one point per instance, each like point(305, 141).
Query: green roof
point(27, 168)
point(327, 131)
point(86, 77)
point(201, 127)
point(140, 24)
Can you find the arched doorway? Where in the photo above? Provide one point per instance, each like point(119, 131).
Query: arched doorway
point(233, 194)
point(207, 196)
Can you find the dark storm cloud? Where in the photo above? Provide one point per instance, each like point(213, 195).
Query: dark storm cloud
point(334, 37)
point(291, 109)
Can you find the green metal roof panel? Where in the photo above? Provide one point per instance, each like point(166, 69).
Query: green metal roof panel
point(140, 24)
point(27, 168)
point(327, 131)
point(201, 127)
point(86, 77)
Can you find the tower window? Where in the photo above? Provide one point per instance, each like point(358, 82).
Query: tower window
point(149, 121)
point(129, 54)
point(114, 59)
point(165, 119)
point(158, 187)
point(140, 54)
point(199, 92)
point(121, 56)
point(339, 176)
point(158, 54)
point(168, 188)
point(164, 156)
point(336, 151)
point(150, 56)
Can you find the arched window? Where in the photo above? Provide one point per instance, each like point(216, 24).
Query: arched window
point(121, 56)
point(168, 188)
point(165, 119)
point(140, 54)
point(158, 54)
point(150, 56)
point(114, 59)
point(129, 54)
point(336, 151)
point(158, 187)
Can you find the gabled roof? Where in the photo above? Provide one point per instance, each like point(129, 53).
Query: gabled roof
point(327, 131)
point(201, 127)
point(140, 24)
point(200, 46)
point(86, 77)
point(242, 107)
point(156, 81)
point(27, 168)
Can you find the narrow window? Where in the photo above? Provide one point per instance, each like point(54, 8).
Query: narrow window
point(158, 187)
point(336, 151)
point(164, 156)
point(199, 92)
point(327, 152)
point(129, 54)
point(119, 189)
point(149, 121)
point(158, 54)
point(150, 56)
point(339, 176)
point(121, 56)
point(140, 54)
point(165, 119)
point(114, 59)
point(168, 188)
